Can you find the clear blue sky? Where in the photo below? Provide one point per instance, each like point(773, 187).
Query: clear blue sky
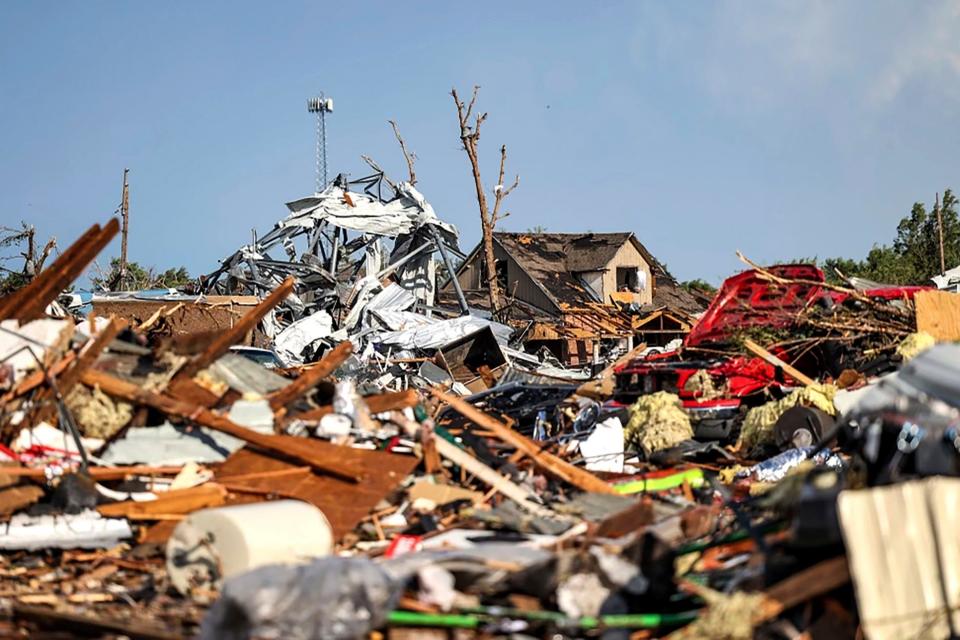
point(780, 128)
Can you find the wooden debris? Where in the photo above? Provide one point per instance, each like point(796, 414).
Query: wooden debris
point(296, 448)
point(562, 469)
point(309, 378)
point(938, 313)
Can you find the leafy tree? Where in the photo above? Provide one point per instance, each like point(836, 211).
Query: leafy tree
point(699, 285)
point(139, 277)
point(914, 255)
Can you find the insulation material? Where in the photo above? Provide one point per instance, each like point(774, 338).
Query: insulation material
point(97, 414)
point(904, 556)
point(915, 344)
point(657, 422)
point(726, 617)
point(702, 382)
point(758, 426)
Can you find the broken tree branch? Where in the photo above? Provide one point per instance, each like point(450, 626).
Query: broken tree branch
point(409, 156)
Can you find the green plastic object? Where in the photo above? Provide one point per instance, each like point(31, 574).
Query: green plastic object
point(665, 483)
point(475, 617)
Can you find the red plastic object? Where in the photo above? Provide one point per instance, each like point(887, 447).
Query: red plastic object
point(403, 544)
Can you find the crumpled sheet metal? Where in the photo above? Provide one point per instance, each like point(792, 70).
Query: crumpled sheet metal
point(291, 342)
point(366, 214)
point(430, 333)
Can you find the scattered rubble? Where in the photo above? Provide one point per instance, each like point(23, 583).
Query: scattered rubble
point(325, 441)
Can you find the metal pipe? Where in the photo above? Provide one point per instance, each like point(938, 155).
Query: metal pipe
point(461, 300)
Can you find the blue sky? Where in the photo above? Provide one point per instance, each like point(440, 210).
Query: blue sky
point(779, 128)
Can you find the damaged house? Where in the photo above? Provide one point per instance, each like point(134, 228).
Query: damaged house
point(578, 290)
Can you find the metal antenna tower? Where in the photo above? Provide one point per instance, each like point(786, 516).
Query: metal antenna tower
point(321, 106)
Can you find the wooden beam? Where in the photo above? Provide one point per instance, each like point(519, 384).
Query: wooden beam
point(13, 302)
point(491, 478)
point(789, 369)
point(301, 452)
point(310, 377)
point(562, 469)
point(802, 586)
point(222, 343)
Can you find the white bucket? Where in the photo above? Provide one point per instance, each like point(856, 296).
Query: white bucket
point(213, 544)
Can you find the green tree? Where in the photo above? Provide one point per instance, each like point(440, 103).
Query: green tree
point(914, 255)
point(700, 285)
point(139, 278)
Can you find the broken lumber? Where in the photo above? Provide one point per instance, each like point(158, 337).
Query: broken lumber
point(15, 300)
point(176, 502)
point(309, 378)
point(802, 586)
point(222, 343)
point(130, 392)
point(99, 624)
point(583, 480)
point(35, 297)
point(789, 369)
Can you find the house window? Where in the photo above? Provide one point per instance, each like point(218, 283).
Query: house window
point(631, 279)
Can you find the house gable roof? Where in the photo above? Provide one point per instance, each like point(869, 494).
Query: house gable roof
point(552, 261)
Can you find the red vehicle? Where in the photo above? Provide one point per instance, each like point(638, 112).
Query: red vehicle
point(746, 300)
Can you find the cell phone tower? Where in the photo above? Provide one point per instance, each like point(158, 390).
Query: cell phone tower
point(321, 106)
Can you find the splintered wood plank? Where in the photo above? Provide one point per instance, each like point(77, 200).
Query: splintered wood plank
point(222, 343)
point(309, 378)
point(179, 501)
point(295, 448)
point(343, 503)
point(71, 377)
point(787, 368)
point(34, 306)
point(938, 313)
point(12, 302)
point(562, 469)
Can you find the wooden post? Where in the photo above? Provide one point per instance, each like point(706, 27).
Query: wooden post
point(125, 216)
point(936, 208)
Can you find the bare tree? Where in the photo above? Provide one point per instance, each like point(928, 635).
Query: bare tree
point(409, 156)
point(469, 137)
point(33, 260)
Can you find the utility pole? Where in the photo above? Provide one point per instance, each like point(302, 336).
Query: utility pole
point(125, 217)
point(936, 207)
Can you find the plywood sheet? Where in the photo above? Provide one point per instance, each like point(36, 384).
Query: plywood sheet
point(938, 313)
point(343, 503)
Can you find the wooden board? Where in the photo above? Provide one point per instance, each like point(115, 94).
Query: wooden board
point(938, 313)
point(343, 503)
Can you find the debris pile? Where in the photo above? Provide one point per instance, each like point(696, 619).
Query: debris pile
point(347, 458)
